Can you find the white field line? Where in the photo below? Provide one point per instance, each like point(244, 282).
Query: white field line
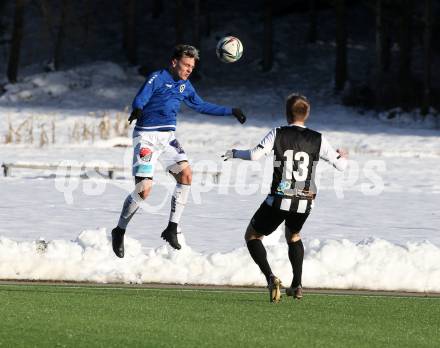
point(313, 292)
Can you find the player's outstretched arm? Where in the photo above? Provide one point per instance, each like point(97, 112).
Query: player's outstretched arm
point(263, 148)
point(229, 154)
point(195, 102)
point(337, 159)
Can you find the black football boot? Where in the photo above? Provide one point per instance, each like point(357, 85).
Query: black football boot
point(170, 235)
point(118, 241)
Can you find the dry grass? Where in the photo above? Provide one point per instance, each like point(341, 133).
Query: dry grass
point(44, 128)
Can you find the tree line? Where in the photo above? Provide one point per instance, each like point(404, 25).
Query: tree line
point(399, 27)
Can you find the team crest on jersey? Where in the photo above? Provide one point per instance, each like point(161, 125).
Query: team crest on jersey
point(283, 187)
point(181, 88)
point(145, 154)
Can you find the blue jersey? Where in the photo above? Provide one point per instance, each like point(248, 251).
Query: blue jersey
point(159, 99)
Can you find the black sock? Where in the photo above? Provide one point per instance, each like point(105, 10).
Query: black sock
point(296, 257)
point(258, 253)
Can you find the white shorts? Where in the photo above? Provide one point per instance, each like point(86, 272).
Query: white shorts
point(149, 147)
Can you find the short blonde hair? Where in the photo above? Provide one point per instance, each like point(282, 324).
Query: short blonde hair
point(297, 107)
point(181, 51)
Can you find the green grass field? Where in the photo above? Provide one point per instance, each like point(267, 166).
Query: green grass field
point(72, 316)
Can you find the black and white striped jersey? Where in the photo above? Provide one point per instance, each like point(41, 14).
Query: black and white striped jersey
point(297, 150)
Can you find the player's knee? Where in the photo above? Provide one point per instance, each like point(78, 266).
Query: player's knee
point(144, 194)
point(251, 234)
point(186, 176)
point(186, 179)
point(293, 237)
point(144, 189)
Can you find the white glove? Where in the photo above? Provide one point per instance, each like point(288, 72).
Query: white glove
point(229, 154)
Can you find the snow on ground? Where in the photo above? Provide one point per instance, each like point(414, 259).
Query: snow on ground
point(376, 226)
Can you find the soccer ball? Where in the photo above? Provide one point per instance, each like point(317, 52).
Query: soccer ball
point(229, 49)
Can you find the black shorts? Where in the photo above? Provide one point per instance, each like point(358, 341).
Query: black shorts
point(267, 219)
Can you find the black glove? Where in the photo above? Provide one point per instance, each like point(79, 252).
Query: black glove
point(239, 115)
point(135, 114)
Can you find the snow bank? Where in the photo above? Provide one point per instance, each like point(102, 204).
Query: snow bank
point(373, 264)
point(414, 118)
point(97, 79)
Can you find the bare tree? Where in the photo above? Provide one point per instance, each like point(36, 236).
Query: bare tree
point(4, 41)
point(17, 34)
point(341, 46)
point(85, 21)
point(157, 8)
point(129, 43)
point(179, 21)
point(388, 13)
point(312, 32)
point(405, 52)
point(427, 58)
point(196, 23)
point(196, 36)
point(2, 22)
point(59, 42)
point(379, 54)
point(268, 36)
point(207, 18)
point(56, 33)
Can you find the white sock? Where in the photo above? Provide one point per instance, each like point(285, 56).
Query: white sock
point(178, 201)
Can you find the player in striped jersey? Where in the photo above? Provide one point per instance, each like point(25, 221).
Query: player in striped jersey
point(297, 150)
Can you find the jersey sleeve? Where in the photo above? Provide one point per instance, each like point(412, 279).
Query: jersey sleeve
point(328, 154)
point(263, 148)
point(146, 91)
point(196, 103)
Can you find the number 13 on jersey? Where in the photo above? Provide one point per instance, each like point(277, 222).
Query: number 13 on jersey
point(303, 160)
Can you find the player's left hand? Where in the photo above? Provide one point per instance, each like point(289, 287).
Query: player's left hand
point(228, 155)
point(239, 115)
point(343, 153)
point(135, 114)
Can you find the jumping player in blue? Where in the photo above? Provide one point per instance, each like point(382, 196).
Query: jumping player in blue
point(155, 110)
